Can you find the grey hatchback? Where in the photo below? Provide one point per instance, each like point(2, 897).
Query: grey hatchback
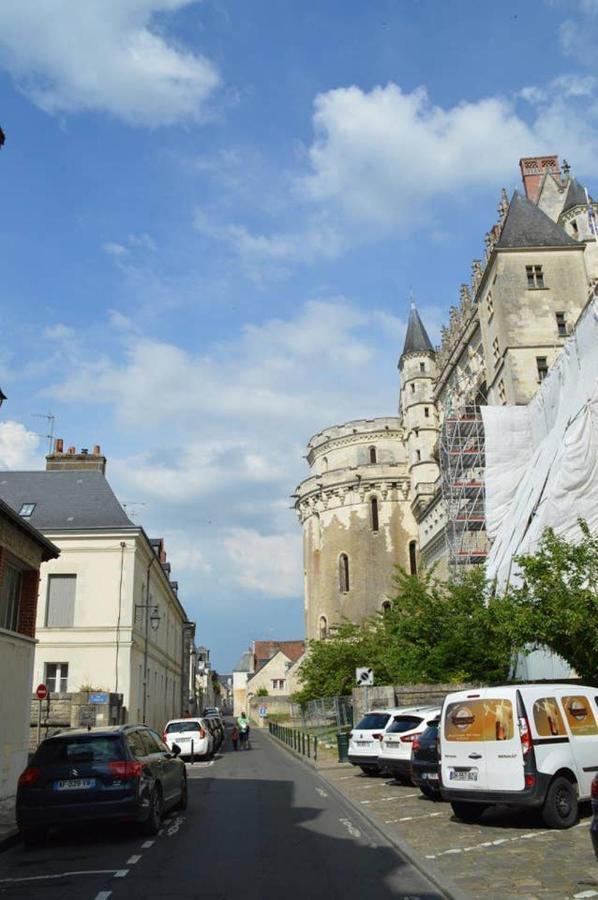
point(122, 773)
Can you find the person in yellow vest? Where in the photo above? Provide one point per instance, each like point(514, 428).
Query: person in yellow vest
point(243, 726)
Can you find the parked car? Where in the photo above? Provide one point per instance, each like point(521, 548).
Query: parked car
point(122, 773)
point(520, 745)
point(193, 736)
point(594, 825)
point(218, 729)
point(425, 768)
point(211, 711)
point(394, 749)
point(365, 737)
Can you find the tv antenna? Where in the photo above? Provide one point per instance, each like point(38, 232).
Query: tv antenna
point(126, 504)
point(50, 419)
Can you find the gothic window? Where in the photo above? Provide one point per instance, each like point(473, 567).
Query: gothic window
point(542, 366)
point(413, 557)
point(535, 277)
point(561, 324)
point(427, 412)
point(374, 514)
point(495, 350)
point(323, 628)
point(373, 458)
point(343, 573)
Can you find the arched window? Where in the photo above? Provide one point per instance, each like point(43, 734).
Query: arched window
point(343, 573)
point(373, 458)
point(413, 557)
point(386, 606)
point(323, 628)
point(374, 514)
point(324, 464)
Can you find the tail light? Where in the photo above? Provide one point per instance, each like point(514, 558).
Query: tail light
point(29, 776)
point(378, 737)
point(164, 736)
point(416, 744)
point(407, 739)
point(202, 733)
point(530, 780)
point(525, 736)
point(595, 788)
point(125, 769)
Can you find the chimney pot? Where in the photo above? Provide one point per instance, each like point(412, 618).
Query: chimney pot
point(58, 445)
point(72, 451)
point(532, 172)
point(97, 450)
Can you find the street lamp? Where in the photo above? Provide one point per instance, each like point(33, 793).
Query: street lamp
point(155, 618)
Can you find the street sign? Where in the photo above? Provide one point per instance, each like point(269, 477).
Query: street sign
point(41, 692)
point(263, 711)
point(100, 697)
point(364, 676)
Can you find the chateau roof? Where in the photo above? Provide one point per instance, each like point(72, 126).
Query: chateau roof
point(265, 650)
point(576, 195)
point(416, 338)
point(527, 226)
point(70, 499)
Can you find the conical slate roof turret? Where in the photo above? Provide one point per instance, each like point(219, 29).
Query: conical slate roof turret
point(576, 196)
point(416, 339)
point(527, 226)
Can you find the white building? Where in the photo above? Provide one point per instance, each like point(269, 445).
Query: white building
point(108, 615)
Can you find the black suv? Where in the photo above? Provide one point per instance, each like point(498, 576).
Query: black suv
point(123, 773)
point(425, 764)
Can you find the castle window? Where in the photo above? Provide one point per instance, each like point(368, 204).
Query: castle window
point(413, 557)
point(422, 367)
point(343, 573)
point(412, 388)
point(542, 366)
point(373, 455)
point(323, 628)
point(502, 394)
point(374, 514)
point(386, 607)
point(418, 455)
point(574, 228)
point(535, 277)
point(324, 464)
point(561, 324)
point(495, 350)
point(427, 412)
point(490, 305)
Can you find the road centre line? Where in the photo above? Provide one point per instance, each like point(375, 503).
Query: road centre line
point(134, 859)
point(147, 844)
point(103, 895)
point(60, 875)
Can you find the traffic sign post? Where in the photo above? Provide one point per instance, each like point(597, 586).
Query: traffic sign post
point(41, 693)
point(364, 676)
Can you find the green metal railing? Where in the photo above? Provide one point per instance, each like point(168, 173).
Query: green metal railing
point(300, 741)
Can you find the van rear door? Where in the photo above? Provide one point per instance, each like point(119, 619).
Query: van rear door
point(463, 762)
point(581, 721)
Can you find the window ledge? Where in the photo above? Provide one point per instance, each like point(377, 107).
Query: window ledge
point(16, 635)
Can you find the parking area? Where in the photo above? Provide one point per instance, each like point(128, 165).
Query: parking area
point(508, 854)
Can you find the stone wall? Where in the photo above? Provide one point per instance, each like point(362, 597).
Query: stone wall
point(275, 705)
point(402, 695)
point(73, 711)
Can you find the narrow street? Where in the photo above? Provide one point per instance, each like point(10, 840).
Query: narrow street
point(260, 824)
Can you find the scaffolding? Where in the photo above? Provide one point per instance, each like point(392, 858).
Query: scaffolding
point(462, 462)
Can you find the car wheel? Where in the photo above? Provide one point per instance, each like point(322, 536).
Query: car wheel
point(33, 836)
point(154, 820)
point(468, 812)
point(369, 770)
point(560, 808)
point(429, 792)
point(182, 804)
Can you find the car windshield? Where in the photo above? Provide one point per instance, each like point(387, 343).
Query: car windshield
point(373, 720)
point(431, 732)
point(404, 723)
point(77, 750)
point(187, 725)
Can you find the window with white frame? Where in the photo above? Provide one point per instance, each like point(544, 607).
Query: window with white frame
point(56, 677)
point(278, 684)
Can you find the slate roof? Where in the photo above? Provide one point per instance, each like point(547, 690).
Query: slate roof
point(67, 500)
point(527, 226)
point(576, 196)
point(416, 338)
point(244, 664)
point(49, 551)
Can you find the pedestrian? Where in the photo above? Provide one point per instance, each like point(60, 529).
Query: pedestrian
point(234, 736)
point(243, 731)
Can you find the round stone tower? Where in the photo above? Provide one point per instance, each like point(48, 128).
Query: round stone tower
point(357, 521)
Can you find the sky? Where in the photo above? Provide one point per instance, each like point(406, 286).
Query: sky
point(214, 216)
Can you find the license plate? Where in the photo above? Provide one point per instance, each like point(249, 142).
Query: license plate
point(363, 743)
point(430, 776)
point(75, 784)
point(470, 775)
point(182, 740)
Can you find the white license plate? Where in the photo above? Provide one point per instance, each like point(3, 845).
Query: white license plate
point(182, 740)
point(363, 743)
point(430, 776)
point(470, 775)
point(75, 784)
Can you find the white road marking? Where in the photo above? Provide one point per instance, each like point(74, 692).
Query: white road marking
point(60, 875)
point(518, 837)
point(410, 818)
point(122, 873)
point(585, 894)
point(103, 895)
point(176, 824)
point(353, 831)
point(133, 859)
point(321, 792)
point(147, 844)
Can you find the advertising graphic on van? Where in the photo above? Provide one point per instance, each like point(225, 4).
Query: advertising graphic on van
point(580, 717)
point(479, 720)
point(547, 718)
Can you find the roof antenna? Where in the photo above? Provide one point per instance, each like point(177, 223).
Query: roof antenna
point(411, 298)
point(51, 419)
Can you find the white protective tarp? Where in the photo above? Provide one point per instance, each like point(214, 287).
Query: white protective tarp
point(542, 459)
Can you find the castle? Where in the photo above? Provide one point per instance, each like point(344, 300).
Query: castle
point(408, 490)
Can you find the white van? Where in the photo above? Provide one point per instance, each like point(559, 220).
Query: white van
point(394, 753)
point(520, 745)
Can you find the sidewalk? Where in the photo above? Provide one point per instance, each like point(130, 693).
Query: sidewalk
point(8, 825)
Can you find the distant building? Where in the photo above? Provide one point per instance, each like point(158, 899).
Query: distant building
point(267, 665)
point(22, 551)
point(109, 615)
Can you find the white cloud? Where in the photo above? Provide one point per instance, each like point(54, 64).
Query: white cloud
point(267, 564)
point(19, 448)
point(74, 55)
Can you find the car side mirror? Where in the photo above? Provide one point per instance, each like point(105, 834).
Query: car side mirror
point(176, 750)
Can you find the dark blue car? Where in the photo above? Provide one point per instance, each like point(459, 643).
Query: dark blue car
point(123, 773)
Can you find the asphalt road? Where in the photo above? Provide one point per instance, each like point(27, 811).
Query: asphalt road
point(260, 825)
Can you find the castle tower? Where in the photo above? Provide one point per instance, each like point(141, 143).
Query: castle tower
point(357, 521)
point(417, 367)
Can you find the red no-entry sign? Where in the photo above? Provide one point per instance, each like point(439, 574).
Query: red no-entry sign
point(41, 692)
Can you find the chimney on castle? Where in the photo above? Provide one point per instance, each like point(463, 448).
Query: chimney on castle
point(532, 172)
point(58, 460)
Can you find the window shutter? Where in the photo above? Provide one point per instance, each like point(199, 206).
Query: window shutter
point(61, 601)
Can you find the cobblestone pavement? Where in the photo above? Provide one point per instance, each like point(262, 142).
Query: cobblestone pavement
point(507, 855)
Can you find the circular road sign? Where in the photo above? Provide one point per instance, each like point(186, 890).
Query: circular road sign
point(41, 692)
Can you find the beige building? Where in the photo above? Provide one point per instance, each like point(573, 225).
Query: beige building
point(409, 490)
point(270, 666)
point(109, 616)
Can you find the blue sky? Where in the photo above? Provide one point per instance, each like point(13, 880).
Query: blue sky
point(213, 215)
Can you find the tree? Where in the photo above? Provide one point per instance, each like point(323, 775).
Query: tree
point(557, 604)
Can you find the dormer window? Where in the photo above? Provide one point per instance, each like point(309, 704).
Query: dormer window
point(26, 510)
